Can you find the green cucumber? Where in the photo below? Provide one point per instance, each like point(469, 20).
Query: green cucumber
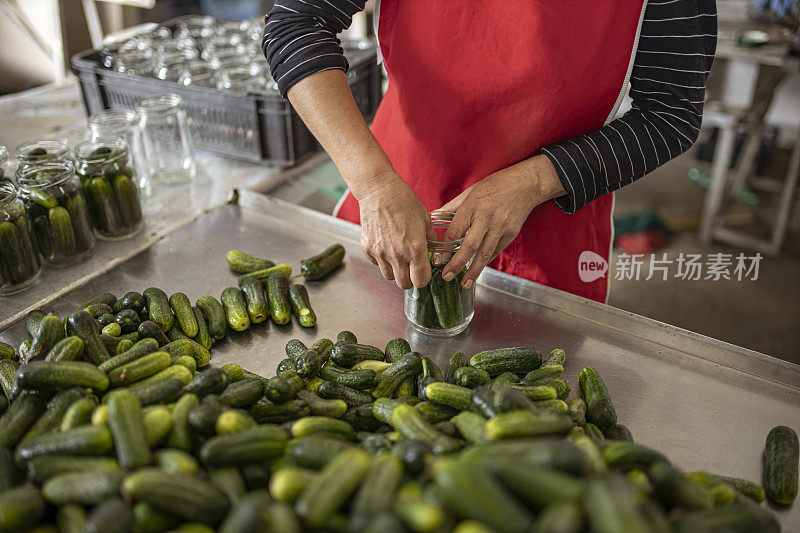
point(215, 316)
point(472, 426)
point(127, 430)
point(780, 465)
point(98, 309)
point(537, 487)
point(264, 274)
point(754, 491)
point(283, 387)
point(556, 406)
point(22, 414)
point(255, 296)
point(332, 487)
point(280, 309)
point(562, 389)
point(323, 263)
point(180, 436)
point(7, 351)
point(187, 497)
point(21, 508)
point(51, 330)
point(33, 319)
point(203, 336)
point(471, 492)
point(618, 432)
point(112, 330)
point(333, 391)
point(627, 455)
point(235, 309)
point(594, 432)
point(446, 296)
point(243, 263)
point(577, 411)
point(346, 336)
point(355, 379)
point(139, 350)
point(43, 375)
point(259, 443)
point(599, 409)
point(301, 306)
point(165, 390)
point(347, 354)
point(482, 400)
point(675, 490)
point(56, 409)
point(242, 393)
point(81, 324)
point(157, 424)
point(83, 440)
point(449, 394)
point(294, 348)
point(233, 421)
point(410, 423)
point(175, 461)
point(520, 359)
point(209, 381)
point(139, 369)
point(86, 488)
point(377, 492)
point(434, 413)
point(556, 357)
point(404, 367)
point(127, 196)
point(8, 371)
point(131, 300)
point(522, 424)
point(182, 309)
point(61, 224)
point(234, 372)
point(507, 399)
point(545, 375)
point(310, 425)
point(43, 468)
point(287, 483)
point(81, 221)
point(106, 212)
point(277, 413)
point(611, 506)
point(322, 407)
point(471, 377)
point(111, 514)
point(149, 329)
point(18, 262)
point(456, 361)
point(230, 481)
point(71, 518)
point(78, 413)
point(253, 512)
point(67, 349)
point(307, 363)
point(315, 451)
point(158, 308)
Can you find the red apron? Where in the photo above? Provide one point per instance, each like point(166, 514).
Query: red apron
point(478, 85)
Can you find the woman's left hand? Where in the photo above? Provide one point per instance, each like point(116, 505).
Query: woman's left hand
point(491, 213)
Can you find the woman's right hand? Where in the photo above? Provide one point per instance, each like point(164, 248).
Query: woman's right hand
point(394, 229)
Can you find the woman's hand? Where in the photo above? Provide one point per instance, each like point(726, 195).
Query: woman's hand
point(491, 213)
point(394, 229)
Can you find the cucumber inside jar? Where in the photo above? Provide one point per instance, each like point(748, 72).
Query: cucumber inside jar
point(441, 308)
point(58, 213)
point(19, 260)
point(108, 185)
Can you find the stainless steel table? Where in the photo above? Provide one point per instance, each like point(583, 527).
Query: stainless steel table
point(705, 403)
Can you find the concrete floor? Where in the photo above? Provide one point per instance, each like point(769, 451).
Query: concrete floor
point(762, 314)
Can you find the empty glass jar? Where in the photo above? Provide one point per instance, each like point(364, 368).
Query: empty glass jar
point(42, 151)
point(197, 73)
point(110, 188)
point(441, 308)
point(19, 261)
point(240, 80)
point(166, 140)
point(58, 213)
point(138, 62)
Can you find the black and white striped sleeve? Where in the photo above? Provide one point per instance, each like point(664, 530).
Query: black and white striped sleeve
point(667, 85)
point(300, 37)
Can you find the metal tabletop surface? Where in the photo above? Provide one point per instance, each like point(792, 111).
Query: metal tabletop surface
point(706, 404)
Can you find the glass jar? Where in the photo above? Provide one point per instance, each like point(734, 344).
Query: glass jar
point(166, 140)
point(42, 151)
point(19, 260)
point(58, 213)
point(240, 80)
point(113, 123)
point(197, 73)
point(168, 67)
point(4, 175)
point(441, 308)
point(136, 61)
point(110, 188)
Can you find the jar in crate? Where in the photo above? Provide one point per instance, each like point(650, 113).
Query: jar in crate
point(109, 185)
point(57, 209)
point(19, 260)
point(239, 80)
point(198, 73)
point(42, 151)
point(138, 62)
point(441, 308)
point(166, 140)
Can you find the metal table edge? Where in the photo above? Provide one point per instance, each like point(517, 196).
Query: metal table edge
point(673, 337)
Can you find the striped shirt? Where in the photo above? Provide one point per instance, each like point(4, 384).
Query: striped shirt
point(667, 87)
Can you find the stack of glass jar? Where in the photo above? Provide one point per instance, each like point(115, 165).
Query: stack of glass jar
point(197, 50)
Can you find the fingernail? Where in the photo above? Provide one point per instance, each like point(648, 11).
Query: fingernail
point(448, 276)
point(467, 283)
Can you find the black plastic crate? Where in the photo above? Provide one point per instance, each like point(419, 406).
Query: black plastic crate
point(257, 126)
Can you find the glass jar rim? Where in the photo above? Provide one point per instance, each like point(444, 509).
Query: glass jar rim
point(27, 176)
point(84, 150)
point(159, 104)
point(56, 149)
point(3, 154)
point(117, 118)
point(442, 219)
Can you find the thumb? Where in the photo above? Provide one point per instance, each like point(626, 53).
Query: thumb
point(456, 202)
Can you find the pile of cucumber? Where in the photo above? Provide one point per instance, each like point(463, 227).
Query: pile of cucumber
point(346, 437)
